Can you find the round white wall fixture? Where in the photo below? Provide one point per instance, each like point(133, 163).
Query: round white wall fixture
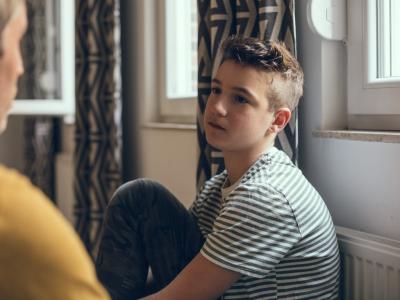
point(328, 18)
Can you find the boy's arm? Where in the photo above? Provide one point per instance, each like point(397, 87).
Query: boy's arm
point(200, 279)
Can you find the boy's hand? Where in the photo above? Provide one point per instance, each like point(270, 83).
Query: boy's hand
point(200, 279)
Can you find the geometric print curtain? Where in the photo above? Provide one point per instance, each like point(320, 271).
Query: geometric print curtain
point(218, 19)
point(41, 136)
point(40, 133)
point(98, 170)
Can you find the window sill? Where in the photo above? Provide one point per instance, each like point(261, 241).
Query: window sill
point(169, 126)
point(358, 135)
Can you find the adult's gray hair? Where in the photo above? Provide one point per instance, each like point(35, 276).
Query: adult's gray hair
point(7, 10)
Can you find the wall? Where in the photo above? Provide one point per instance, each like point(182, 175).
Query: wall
point(358, 180)
point(169, 156)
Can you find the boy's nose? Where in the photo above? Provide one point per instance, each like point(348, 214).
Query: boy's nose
point(219, 106)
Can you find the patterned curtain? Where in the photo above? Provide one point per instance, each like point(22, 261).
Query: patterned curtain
point(218, 19)
point(98, 114)
point(42, 136)
point(41, 133)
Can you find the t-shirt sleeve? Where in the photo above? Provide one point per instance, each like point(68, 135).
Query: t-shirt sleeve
point(253, 232)
point(197, 203)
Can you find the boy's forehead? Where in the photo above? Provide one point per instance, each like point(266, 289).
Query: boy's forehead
point(234, 72)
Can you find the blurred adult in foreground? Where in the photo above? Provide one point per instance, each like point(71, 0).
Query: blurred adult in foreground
point(41, 257)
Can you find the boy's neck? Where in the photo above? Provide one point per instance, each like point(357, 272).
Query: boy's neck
point(237, 163)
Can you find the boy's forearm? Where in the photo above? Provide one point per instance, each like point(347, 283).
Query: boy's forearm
point(200, 280)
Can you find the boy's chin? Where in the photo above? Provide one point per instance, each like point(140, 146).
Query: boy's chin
point(213, 144)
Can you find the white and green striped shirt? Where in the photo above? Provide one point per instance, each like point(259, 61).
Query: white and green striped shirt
point(274, 229)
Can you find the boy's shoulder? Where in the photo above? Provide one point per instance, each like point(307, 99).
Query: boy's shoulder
point(274, 175)
point(274, 163)
point(215, 182)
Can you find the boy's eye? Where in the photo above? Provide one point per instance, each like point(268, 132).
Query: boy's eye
point(215, 90)
point(241, 100)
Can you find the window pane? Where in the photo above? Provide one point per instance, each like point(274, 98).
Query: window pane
point(181, 48)
point(388, 20)
point(395, 38)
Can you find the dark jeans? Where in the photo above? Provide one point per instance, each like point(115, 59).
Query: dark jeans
point(145, 226)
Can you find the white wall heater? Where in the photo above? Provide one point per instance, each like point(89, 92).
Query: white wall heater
point(370, 266)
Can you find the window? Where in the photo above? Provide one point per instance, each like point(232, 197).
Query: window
point(373, 64)
point(52, 85)
point(178, 60)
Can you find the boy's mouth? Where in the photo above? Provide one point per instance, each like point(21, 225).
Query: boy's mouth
point(215, 125)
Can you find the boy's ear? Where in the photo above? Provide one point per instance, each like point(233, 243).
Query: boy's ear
point(282, 117)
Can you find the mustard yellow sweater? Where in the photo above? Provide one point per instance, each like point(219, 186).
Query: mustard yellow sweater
point(41, 257)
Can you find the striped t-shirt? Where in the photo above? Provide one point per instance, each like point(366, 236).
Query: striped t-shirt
point(274, 229)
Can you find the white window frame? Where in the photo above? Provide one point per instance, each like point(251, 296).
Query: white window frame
point(65, 105)
point(367, 94)
point(181, 110)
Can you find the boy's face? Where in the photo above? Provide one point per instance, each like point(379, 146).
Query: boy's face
point(237, 115)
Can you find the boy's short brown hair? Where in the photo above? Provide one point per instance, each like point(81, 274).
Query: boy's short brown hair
point(286, 86)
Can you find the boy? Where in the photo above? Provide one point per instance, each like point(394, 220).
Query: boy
point(258, 230)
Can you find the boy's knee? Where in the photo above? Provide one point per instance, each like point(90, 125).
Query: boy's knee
point(136, 185)
point(135, 192)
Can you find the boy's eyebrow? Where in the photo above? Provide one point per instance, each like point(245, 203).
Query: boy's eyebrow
point(215, 80)
point(244, 91)
point(239, 89)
